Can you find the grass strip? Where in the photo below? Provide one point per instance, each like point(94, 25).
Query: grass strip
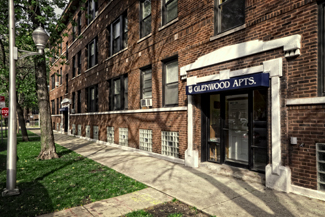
point(57, 184)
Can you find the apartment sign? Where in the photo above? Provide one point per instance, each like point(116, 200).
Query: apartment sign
point(247, 81)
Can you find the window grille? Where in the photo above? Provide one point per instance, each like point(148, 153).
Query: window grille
point(88, 131)
point(79, 130)
point(320, 149)
point(123, 134)
point(110, 134)
point(73, 129)
point(169, 144)
point(146, 140)
point(95, 132)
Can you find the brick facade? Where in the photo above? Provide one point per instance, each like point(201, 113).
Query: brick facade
point(189, 37)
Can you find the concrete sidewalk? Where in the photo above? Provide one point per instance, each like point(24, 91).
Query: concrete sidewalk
point(203, 188)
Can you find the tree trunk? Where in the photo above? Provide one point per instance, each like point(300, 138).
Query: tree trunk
point(22, 122)
point(47, 138)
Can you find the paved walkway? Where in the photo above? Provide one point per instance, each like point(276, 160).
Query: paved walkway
point(203, 188)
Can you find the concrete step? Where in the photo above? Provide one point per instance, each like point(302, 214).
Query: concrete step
point(238, 173)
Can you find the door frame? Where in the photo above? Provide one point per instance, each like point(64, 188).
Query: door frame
point(205, 129)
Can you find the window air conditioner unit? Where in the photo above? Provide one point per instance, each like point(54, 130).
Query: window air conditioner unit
point(56, 84)
point(146, 102)
point(73, 111)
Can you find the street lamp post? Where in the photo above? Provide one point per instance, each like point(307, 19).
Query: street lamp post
point(40, 38)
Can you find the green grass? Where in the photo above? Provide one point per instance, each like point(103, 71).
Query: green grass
point(29, 133)
point(139, 213)
point(52, 185)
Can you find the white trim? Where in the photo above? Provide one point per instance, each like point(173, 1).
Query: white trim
point(55, 115)
point(231, 31)
point(91, 68)
point(236, 51)
point(173, 109)
point(168, 24)
point(306, 101)
point(144, 38)
point(121, 51)
point(308, 192)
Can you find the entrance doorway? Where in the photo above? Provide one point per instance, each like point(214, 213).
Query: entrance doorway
point(66, 121)
point(234, 128)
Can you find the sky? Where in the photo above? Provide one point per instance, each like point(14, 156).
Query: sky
point(58, 11)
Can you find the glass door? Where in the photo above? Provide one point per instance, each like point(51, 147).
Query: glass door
point(236, 130)
point(214, 139)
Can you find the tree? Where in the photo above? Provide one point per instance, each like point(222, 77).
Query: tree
point(29, 15)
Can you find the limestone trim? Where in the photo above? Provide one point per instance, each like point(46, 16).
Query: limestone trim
point(306, 101)
point(231, 31)
point(174, 109)
point(290, 44)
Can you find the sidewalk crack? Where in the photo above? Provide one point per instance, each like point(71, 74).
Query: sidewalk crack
point(88, 211)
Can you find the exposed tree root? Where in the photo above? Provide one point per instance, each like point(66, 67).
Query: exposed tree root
point(47, 154)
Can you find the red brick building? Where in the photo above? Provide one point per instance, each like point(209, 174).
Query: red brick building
point(227, 81)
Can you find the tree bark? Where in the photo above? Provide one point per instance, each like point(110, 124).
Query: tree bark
point(21, 122)
point(47, 139)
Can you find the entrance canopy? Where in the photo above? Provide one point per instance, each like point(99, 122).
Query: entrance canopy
point(65, 109)
point(247, 81)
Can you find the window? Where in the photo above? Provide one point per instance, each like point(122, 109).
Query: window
point(79, 23)
point(73, 100)
point(53, 81)
point(145, 140)
point(57, 106)
point(170, 95)
point(110, 134)
point(79, 63)
point(66, 51)
point(74, 66)
point(67, 83)
point(57, 76)
point(169, 10)
point(229, 14)
point(53, 107)
point(321, 47)
point(123, 136)
point(119, 93)
point(79, 102)
point(74, 30)
point(92, 53)
point(146, 84)
point(92, 98)
point(145, 17)
point(92, 9)
point(169, 144)
point(60, 76)
point(118, 34)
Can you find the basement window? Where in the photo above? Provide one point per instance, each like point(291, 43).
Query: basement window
point(320, 149)
point(110, 135)
point(169, 144)
point(123, 136)
point(146, 140)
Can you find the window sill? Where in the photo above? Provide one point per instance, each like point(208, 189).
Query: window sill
point(121, 51)
point(228, 32)
point(91, 68)
point(144, 38)
point(168, 24)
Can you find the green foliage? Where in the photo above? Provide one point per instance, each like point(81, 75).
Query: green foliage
point(139, 213)
point(52, 185)
point(175, 215)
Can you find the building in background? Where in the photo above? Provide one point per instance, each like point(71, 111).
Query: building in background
point(230, 82)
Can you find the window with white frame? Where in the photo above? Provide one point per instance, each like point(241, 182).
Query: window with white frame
point(169, 10)
point(53, 81)
point(228, 14)
point(110, 134)
point(170, 93)
point(60, 76)
point(123, 136)
point(92, 98)
point(74, 66)
point(92, 51)
point(92, 10)
point(118, 93)
point(53, 106)
point(169, 144)
point(146, 140)
point(146, 83)
point(145, 18)
point(118, 34)
point(79, 63)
